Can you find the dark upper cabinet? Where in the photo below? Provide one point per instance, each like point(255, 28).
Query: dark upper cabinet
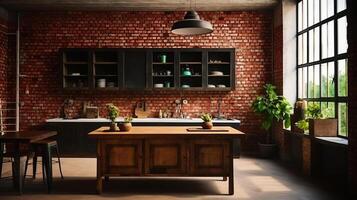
point(153, 69)
point(135, 72)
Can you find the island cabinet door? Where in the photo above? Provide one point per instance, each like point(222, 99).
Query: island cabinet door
point(165, 157)
point(122, 157)
point(209, 157)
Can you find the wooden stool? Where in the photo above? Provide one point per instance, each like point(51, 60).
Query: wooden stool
point(39, 147)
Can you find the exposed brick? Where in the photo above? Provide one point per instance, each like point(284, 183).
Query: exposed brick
point(43, 33)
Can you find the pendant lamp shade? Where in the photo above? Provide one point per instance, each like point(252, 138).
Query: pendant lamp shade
point(191, 25)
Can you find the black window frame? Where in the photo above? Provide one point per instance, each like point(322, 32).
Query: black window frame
point(336, 99)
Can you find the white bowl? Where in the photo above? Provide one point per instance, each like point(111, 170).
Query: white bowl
point(216, 73)
point(159, 85)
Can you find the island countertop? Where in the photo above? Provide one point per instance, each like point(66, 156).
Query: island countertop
point(144, 120)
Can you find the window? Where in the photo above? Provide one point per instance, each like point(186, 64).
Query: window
point(322, 57)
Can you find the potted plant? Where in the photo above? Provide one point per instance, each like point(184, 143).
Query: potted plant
point(112, 114)
point(273, 108)
point(207, 121)
point(316, 122)
point(126, 125)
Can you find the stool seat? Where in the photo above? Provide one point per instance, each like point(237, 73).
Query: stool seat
point(51, 142)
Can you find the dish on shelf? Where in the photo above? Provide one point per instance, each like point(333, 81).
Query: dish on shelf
point(216, 73)
point(158, 85)
point(101, 83)
point(211, 86)
point(185, 86)
point(76, 74)
point(221, 86)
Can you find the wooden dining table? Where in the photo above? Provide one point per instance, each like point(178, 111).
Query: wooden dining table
point(26, 137)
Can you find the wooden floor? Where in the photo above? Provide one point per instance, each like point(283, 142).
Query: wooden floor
point(255, 179)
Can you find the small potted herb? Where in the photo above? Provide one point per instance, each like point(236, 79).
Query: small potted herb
point(316, 122)
point(112, 114)
point(207, 121)
point(126, 125)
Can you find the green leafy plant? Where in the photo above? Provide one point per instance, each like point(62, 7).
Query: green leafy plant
point(314, 111)
point(128, 119)
point(303, 124)
point(112, 112)
point(272, 107)
point(206, 117)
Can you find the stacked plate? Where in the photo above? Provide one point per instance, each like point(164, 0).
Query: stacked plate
point(216, 73)
point(158, 85)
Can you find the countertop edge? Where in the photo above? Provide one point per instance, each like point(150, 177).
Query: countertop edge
point(142, 120)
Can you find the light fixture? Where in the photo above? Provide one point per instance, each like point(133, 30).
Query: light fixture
point(191, 25)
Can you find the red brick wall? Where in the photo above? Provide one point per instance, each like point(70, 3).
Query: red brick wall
point(352, 92)
point(3, 58)
point(43, 33)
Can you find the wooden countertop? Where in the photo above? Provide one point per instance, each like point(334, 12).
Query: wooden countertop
point(167, 130)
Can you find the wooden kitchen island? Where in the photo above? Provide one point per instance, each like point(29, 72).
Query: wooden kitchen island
point(165, 151)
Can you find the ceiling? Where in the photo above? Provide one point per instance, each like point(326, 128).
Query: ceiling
point(138, 5)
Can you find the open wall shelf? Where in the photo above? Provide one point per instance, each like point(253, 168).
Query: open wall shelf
point(148, 69)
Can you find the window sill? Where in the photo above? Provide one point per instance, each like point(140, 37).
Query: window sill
point(334, 140)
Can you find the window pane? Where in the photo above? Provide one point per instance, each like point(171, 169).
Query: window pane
point(331, 76)
point(323, 9)
point(304, 48)
point(324, 40)
point(311, 82)
point(300, 52)
point(324, 80)
point(330, 8)
point(317, 44)
point(300, 16)
point(342, 119)
point(304, 82)
point(316, 11)
point(300, 83)
point(304, 14)
point(331, 39)
point(328, 109)
point(342, 35)
point(317, 81)
point(311, 12)
point(311, 45)
point(341, 5)
point(342, 78)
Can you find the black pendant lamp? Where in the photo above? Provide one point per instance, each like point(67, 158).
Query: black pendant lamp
point(191, 25)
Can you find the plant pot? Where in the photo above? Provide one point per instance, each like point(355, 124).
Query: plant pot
point(207, 125)
point(113, 127)
point(125, 127)
point(323, 127)
point(267, 150)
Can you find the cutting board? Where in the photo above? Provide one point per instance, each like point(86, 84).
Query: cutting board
point(141, 110)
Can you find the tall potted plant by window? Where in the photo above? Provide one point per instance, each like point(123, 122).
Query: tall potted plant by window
point(273, 108)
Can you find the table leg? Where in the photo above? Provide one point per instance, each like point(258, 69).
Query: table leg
point(231, 170)
point(1, 157)
point(99, 169)
point(48, 166)
point(18, 168)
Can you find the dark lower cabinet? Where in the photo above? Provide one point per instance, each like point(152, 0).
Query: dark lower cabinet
point(74, 141)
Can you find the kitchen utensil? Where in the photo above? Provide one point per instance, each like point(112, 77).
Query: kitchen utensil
point(141, 110)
